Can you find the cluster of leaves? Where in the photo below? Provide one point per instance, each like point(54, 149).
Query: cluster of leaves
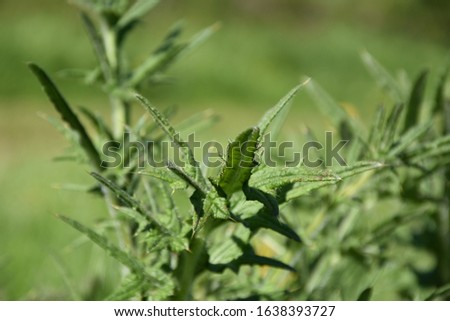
point(383, 234)
point(247, 233)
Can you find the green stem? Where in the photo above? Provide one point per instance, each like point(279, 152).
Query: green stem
point(120, 108)
point(120, 117)
point(187, 270)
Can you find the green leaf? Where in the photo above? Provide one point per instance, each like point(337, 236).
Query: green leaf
point(415, 101)
point(130, 201)
point(153, 64)
point(136, 12)
point(165, 175)
point(383, 78)
point(391, 127)
point(67, 114)
point(215, 205)
point(130, 288)
point(206, 205)
point(272, 113)
point(358, 168)
point(134, 216)
point(163, 122)
point(166, 55)
point(126, 198)
point(303, 188)
point(240, 161)
point(377, 129)
point(270, 179)
point(98, 45)
point(188, 178)
point(408, 138)
point(131, 262)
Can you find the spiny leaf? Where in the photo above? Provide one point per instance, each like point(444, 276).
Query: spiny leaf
point(134, 216)
point(415, 101)
point(384, 79)
point(165, 175)
point(357, 168)
point(136, 12)
point(273, 178)
point(163, 122)
point(126, 198)
point(161, 59)
point(132, 263)
point(130, 201)
point(187, 177)
point(303, 188)
point(130, 287)
point(215, 205)
point(272, 113)
point(67, 114)
point(154, 63)
point(206, 205)
point(240, 161)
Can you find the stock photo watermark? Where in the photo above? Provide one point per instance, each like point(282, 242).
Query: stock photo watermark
point(134, 153)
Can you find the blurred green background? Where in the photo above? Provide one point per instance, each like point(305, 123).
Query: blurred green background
point(263, 48)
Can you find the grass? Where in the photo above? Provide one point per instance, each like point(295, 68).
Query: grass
point(258, 62)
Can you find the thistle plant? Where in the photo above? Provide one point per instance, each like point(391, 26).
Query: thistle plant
point(253, 231)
